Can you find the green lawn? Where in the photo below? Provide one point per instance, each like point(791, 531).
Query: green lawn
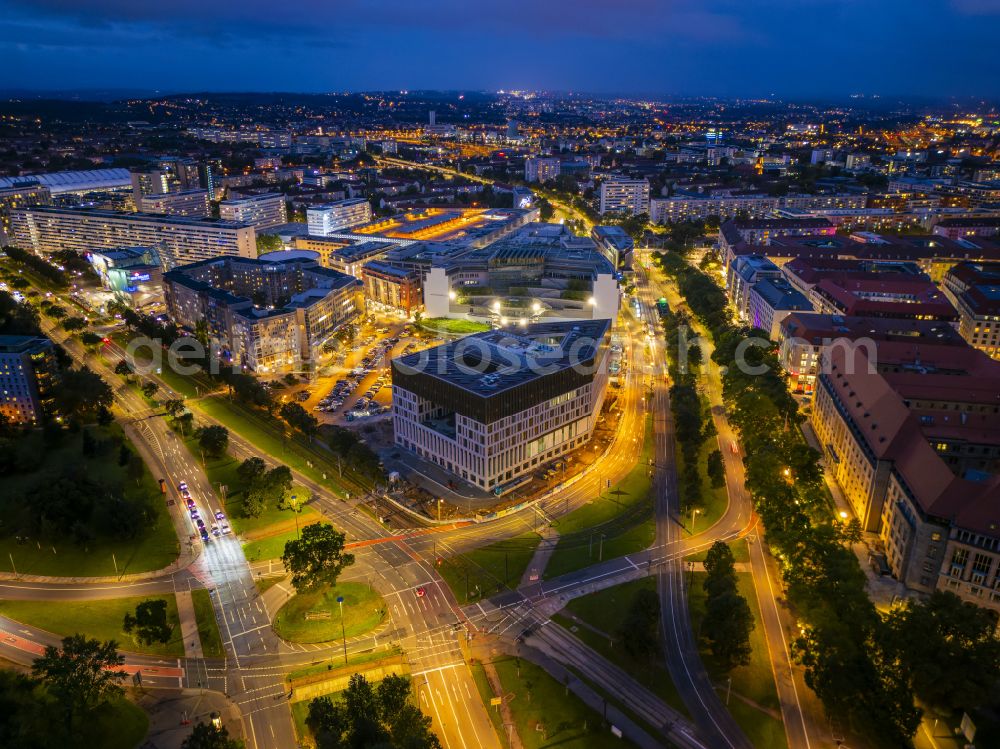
point(264, 583)
point(208, 626)
point(266, 436)
point(605, 610)
point(183, 384)
point(118, 724)
point(453, 326)
point(100, 619)
point(152, 550)
point(741, 552)
point(625, 533)
point(536, 698)
point(222, 472)
point(754, 681)
point(713, 501)
point(490, 568)
point(271, 547)
point(364, 610)
point(368, 659)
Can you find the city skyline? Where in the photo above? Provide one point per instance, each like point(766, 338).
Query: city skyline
point(681, 47)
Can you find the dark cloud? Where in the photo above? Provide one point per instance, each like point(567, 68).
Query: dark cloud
point(731, 47)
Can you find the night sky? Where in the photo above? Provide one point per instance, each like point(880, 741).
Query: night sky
point(789, 48)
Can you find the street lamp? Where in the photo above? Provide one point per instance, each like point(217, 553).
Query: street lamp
point(496, 306)
point(452, 295)
point(295, 509)
point(440, 502)
point(343, 631)
point(843, 515)
point(695, 512)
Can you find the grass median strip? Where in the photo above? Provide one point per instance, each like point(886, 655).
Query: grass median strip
point(754, 700)
point(603, 611)
point(208, 626)
point(623, 515)
point(489, 569)
point(100, 618)
point(545, 712)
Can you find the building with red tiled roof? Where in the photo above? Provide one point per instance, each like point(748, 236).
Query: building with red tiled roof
point(974, 289)
point(939, 521)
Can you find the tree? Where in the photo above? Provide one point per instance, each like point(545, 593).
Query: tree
point(720, 569)
point(253, 503)
point(317, 558)
point(207, 736)
point(149, 389)
point(695, 355)
point(727, 626)
point(124, 369)
point(298, 418)
point(214, 440)
point(250, 470)
point(90, 339)
point(80, 392)
point(948, 648)
point(367, 717)
point(853, 531)
point(268, 243)
point(173, 406)
point(640, 628)
point(185, 421)
point(82, 674)
point(716, 469)
point(73, 323)
point(25, 712)
point(149, 622)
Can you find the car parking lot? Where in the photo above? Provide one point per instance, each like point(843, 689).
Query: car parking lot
point(360, 387)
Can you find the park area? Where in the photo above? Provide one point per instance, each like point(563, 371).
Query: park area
point(116, 519)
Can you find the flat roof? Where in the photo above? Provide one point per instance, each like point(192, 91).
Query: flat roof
point(490, 363)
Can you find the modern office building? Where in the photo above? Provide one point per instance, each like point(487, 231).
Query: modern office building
point(133, 274)
point(343, 214)
point(273, 314)
point(27, 368)
point(624, 195)
point(541, 169)
point(393, 287)
point(260, 211)
point(541, 271)
point(178, 240)
point(974, 289)
point(615, 244)
point(493, 407)
point(192, 203)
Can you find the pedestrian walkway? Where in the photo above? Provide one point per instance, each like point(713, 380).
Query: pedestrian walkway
point(189, 624)
point(540, 560)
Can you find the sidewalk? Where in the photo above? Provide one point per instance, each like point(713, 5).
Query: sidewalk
point(543, 553)
point(173, 714)
point(882, 589)
point(189, 624)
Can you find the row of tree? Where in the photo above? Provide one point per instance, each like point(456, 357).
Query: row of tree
point(866, 668)
point(728, 619)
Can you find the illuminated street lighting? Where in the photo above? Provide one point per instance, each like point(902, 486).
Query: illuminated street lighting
point(496, 306)
point(452, 295)
point(843, 515)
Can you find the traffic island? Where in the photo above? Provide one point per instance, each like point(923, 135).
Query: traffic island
point(321, 617)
